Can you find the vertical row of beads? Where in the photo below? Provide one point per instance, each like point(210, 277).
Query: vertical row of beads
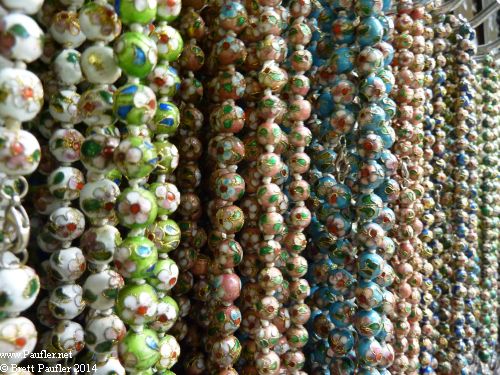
point(429, 201)
point(104, 329)
point(164, 232)
point(410, 96)
point(438, 123)
point(375, 167)
point(134, 105)
point(22, 99)
point(226, 120)
point(192, 263)
point(465, 175)
point(298, 190)
point(270, 109)
point(66, 223)
point(488, 332)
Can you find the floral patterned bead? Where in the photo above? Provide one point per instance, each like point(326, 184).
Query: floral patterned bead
point(269, 164)
point(134, 104)
point(269, 195)
point(168, 157)
point(164, 80)
point(63, 106)
point(233, 16)
point(169, 353)
point(227, 287)
point(136, 257)
point(68, 336)
point(66, 224)
point(228, 254)
point(136, 208)
point(67, 264)
point(230, 150)
point(338, 224)
point(226, 351)
point(99, 243)
point(169, 42)
point(65, 29)
point(95, 106)
point(271, 223)
point(167, 314)
point(136, 304)
point(136, 54)
point(230, 219)
point(230, 186)
point(369, 351)
point(270, 278)
point(342, 60)
point(97, 199)
point(66, 183)
point(139, 350)
point(103, 332)
point(165, 275)
point(17, 335)
point(341, 121)
point(135, 157)
point(230, 51)
point(273, 77)
point(227, 319)
point(343, 29)
point(65, 145)
point(267, 363)
point(22, 94)
point(20, 152)
point(100, 289)
point(166, 119)
point(66, 301)
point(67, 67)
point(99, 22)
point(99, 65)
point(168, 10)
point(136, 11)
point(369, 31)
point(165, 234)
point(19, 288)
point(269, 133)
point(229, 85)
point(167, 195)
point(300, 218)
point(369, 60)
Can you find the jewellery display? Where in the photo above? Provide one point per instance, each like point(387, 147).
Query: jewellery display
point(255, 187)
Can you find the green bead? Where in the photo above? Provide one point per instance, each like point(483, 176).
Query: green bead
point(134, 104)
point(168, 10)
point(136, 54)
point(136, 11)
point(165, 274)
point(165, 234)
point(168, 156)
point(136, 257)
point(139, 350)
point(136, 157)
point(168, 41)
point(164, 80)
point(136, 304)
point(136, 208)
point(166, 119)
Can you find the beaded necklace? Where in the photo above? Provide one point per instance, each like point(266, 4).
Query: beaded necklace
point(22, 99)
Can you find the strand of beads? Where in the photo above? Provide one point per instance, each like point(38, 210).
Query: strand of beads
point(335, 269)
point(440, 110)
point(67, 264)
point(410, 96)
point(488, 333)
point(165, 232)
point(464, 175)
point(136, 157)
point(271, 50)
point(104, 329)
point(226, 120)
point(188, 177)
point(429, 202)
point(373, 186)
point(22, 98)
point(299, 216)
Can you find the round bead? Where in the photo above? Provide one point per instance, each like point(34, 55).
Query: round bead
point(136, 304)
point(165, 234)
point(100, 289)
point(136, 257)
point(66, 301)
point(167, 314)
point(99, 65)
point(168, 41)
point(22, 94)
point(136, 54)
point(164, 275)
point(139, 350)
